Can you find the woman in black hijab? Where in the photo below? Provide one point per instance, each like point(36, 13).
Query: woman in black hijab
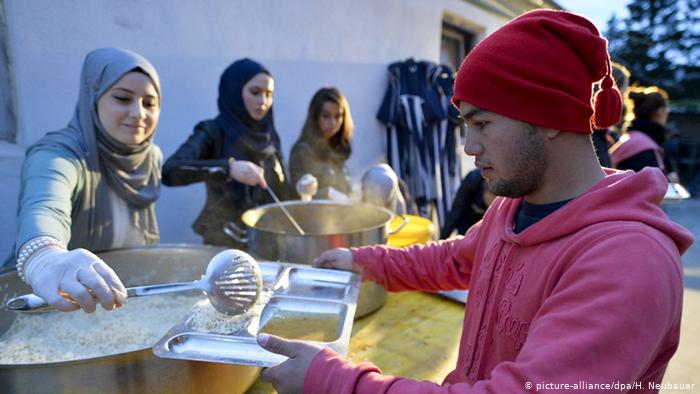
point(233, 154)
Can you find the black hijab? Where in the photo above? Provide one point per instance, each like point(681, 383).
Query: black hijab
point(244, 137)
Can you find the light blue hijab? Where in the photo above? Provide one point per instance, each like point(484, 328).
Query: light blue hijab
point(132, 171)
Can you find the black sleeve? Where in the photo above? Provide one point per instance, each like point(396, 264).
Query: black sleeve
point(195, 161)
point(466, 194)
point(635, 163)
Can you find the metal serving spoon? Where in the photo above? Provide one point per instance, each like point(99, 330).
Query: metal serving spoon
point(224, 170)
point(286, 212)
point(232, 282)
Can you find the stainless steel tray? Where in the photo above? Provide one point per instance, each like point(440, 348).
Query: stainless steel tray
point(299, 295)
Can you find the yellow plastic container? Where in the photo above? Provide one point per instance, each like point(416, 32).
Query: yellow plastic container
point(418, 230)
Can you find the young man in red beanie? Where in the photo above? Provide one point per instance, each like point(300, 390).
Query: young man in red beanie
point(574, 272)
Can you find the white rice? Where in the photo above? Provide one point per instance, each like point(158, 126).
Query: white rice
point(206, 319)
point(57, 336)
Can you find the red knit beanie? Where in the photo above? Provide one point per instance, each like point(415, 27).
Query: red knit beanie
point(540, 69)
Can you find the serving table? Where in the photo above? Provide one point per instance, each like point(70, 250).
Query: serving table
point(415, 335)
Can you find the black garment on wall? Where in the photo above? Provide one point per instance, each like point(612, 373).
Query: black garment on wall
point(422, 132)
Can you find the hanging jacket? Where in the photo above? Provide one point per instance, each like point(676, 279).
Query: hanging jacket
point(410, 106)
point(421, 138)
point(591, 293)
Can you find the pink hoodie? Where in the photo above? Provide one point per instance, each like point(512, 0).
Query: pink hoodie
point(590, 295)
point(633, 144)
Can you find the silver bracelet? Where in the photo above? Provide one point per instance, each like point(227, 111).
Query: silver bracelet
point(31, 247)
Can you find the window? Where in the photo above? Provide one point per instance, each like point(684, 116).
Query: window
point(458, 38)
point(8, 112)
point(456, 43)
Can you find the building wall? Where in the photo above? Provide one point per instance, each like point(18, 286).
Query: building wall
point(305, 44)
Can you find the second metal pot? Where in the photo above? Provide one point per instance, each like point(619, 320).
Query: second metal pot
point(327, 224)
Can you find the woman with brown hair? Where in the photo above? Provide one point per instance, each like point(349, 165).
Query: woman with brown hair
point(324, 145)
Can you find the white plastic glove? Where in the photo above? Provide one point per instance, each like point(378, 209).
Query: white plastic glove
point(55, 274)
point(307, 186)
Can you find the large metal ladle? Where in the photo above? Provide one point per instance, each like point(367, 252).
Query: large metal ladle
point(286, 212)
point(232, 282)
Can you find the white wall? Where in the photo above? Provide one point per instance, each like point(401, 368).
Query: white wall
point(305, 44)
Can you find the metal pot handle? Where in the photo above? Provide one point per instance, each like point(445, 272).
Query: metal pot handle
point(405, 222)
point(235, 233)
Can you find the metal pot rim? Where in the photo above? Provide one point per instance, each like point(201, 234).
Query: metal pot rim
point(131, 353)
point(259, 211)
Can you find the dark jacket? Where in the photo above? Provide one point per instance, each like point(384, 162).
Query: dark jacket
point(468, 206)
point(320, 160)
point(647, 158)
point(202, 159)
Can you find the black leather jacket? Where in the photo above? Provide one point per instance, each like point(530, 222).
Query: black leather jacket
point(202, 159)
point(468, 206)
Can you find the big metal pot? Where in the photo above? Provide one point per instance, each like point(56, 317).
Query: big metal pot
point(327, 225)
point(130, 372)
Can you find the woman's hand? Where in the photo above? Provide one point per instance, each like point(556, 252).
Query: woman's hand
point(307, 186)
point(247, 173)
point(338, 258)
point(74, 280)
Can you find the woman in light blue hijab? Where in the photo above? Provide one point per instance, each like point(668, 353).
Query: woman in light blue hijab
point(92, 186)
